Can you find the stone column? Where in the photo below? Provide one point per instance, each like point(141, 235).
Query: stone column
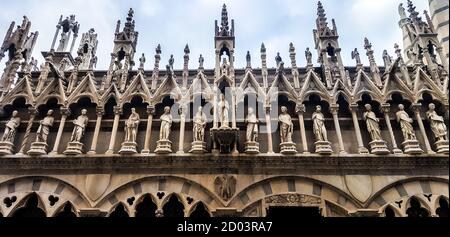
point(148, 133)
point(300, 109)
point(385, 108)
point(182, 128)
point(233, 109)
point(100, 112)
point(65, 112)
point(361, 148)
point(416, 108)
point(269, 131)
point(32, 111)
point(334, 108)
point(215, 122)
point(117, 113)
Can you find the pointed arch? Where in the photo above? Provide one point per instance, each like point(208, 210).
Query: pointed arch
point(199, 210)
point(30, 206)
point(119, 210)
point(137, 87)
point(54, 89)
point(313, 85)
point(67, 209)
point(173, 206)
point(364, 85)
point(86, 88)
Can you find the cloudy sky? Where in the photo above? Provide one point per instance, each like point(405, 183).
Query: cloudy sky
point(173, 23)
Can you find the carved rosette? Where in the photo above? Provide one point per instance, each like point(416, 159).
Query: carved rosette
point(293, 199)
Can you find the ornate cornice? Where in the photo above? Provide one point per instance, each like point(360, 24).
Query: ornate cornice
point(273, 164)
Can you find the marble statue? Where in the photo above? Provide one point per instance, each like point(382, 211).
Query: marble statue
point(199, 125)
point(319, 125)
point(80, 126)
point(308, 56)
point(223, 112)
point(131, 126)
point(401, 11)
point(252, 126)
point(286, 125)
point(405, 123)
point(225, 186)
point(44, 127)
point(248, 58)
point(355, 55)
point(171, 62)
point(142, 61)
point(372, 123)
point(201, 60)
point(11, 128)
point(93, 63)
point(166, 124)
point(278, 59)
point(437, 123)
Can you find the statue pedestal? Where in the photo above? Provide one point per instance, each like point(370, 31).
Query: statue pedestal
point(412, 147)
point(74, 148)
point(38, 148)
point(225, 138)
point(378, 147)
point(128, 148)
point(163, 147)
point(252, 147)
point(6, 148)
point(198, 147)
point(442, 147)
point(323, 147)
point(288, 148)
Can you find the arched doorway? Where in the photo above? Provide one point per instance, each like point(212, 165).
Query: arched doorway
point(146, 208)
point(30, 209)
point(173, 208)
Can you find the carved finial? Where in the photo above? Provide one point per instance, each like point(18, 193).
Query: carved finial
point(291, 47)
point(367, 44)
point(186, 49)
point(224, 29)
point(263, 48)
point(387, 59)
point(322, 18)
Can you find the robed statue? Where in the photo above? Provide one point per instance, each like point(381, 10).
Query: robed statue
point(44, 127)
point(166, 124)
point(437, 123)
point(11, 128)
point(372, 122)
point(199, 125)
point(252, 126)
point(319, 125)
point(131, 126)
point(80, 126)
point(286, 125)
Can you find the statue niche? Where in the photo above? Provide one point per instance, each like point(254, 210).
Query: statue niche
point(251, 144)
point(411, 145)
point(39, 147)
point(75, 147)
point(439, 129)
point(164, 145)
point(377, 145)
point(7, 142)
point(199, 144)
point(131, 130)
point(323, 146)
point(286, 128)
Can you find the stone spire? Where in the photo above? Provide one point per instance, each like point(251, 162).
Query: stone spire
point(373, 65)
point(224, 29)
point(155, 75)
point(187, 51)
point(264, 66)
point(322, 24)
